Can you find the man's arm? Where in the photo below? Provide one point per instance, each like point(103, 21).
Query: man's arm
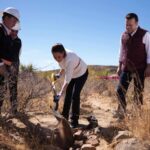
point(61, 72)
point(119, 68)
point(146, 41)
point(1, 35)
point(15, 52)
point(120, 58)
point(2, 50)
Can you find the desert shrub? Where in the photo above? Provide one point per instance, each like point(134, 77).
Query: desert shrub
point(139, 120)
point(27, 68)
point(30, 88)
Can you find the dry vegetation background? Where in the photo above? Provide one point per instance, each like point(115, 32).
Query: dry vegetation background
point(35, 95)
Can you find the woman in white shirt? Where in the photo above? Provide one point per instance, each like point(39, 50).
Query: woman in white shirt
point(76, 73)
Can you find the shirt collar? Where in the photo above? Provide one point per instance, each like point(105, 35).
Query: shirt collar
point(7, 30)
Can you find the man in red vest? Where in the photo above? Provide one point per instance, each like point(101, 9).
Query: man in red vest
point(134, 62)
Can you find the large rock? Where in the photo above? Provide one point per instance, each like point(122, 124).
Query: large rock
point(77, 144)
point(88, 147)
point(92, 139)
point(132, 144)
point(123, 135)
point(78, 135)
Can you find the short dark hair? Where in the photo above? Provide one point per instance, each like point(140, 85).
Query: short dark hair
point(132, 16)
point(58, 48)
point(7, 15)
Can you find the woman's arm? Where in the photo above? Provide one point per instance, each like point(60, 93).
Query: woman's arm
point(68, 76)
point(63, 89)
point(61, 72)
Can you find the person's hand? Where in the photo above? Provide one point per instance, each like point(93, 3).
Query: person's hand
point(147, 71)
point(6, 62)
point(57, 98)
point(56, 76)
point(118, 71)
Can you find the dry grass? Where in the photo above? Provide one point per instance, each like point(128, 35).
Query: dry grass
point(35, 94)
point(139, 120)
point(30, 87)
point(139, 123)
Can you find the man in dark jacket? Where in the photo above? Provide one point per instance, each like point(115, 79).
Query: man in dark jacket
point(10, 16)
point(14, 68)
point(134, 62)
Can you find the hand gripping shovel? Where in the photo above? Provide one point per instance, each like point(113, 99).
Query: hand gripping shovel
point(55, 96)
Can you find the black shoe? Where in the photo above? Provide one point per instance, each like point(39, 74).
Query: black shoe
point(74, 124)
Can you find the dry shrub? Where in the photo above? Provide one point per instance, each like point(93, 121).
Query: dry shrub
point(95, 84)
point(139, 120)
point(31, 87)
point(139, 123)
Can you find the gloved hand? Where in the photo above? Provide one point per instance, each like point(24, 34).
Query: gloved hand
point(56, 76)
point(56, 101)
point(56, 98)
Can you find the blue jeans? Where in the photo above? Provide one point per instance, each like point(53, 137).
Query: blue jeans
point(125, 79)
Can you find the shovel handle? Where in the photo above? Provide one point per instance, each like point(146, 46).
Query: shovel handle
point(56, 106)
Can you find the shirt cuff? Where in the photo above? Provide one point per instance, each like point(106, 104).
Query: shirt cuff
point(148, 60)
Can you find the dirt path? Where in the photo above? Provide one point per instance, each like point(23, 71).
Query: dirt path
point(101, 108)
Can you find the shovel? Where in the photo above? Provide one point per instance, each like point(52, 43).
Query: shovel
point(55, 97)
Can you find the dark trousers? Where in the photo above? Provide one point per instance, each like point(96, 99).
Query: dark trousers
point(11, 83)
point(2, 89)
point(73, 97)
point(125, 79)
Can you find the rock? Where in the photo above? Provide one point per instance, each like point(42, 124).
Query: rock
point(87, 133)
point(92, 139)
point(17, 138)
point(93, 142)
point(88, 147)
point(97, 130)
point(107, 110)
point(78, 135)
point(106, 93)
point(123, 135)
point(78, 144)
point(132, 144)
